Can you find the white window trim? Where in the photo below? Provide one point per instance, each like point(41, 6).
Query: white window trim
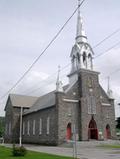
point(28, 127)
point(40, 126)
point(48, 125)
point(9, 129)
point(34, 127)
point(23, 128)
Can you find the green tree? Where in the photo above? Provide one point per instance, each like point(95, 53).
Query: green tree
point(118, 123)
point(2, 127)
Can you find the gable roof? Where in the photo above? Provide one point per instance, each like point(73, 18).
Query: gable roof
point(43, 102)
point(21, 100)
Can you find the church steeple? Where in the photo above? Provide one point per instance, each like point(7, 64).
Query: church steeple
point(81, 54)
point(80, 34)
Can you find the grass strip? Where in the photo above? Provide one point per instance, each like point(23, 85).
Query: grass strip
point(6, 153)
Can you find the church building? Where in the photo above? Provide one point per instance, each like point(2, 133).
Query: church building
point(82, 107)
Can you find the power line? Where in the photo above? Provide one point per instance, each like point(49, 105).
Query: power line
point(99, 43)
point(107, 50)
point(47, 84)
point(46, 80)
point(117, 70)
point(106, 38)
point(34, 90)
point(70, 63)
point(36, 60)
point(53, 41)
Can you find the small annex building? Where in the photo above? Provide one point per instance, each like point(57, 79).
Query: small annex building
point(82, 106)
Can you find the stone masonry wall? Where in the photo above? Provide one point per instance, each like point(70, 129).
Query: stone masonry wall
point(43, 138)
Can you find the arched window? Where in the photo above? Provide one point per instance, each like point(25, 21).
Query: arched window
point(90, 61)
point(84, 56)
point(78, 57)
point(89, 56)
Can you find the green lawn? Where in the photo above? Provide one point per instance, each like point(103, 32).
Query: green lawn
point(110, 146)
point(5, 153)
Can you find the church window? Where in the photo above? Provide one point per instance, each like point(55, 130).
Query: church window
point(40, 127)
point(9, 128)
point(78, 57)
point(48, 125)
point(89, 56)
point(28, 127)
point(23, 128)
point(84, 56)
point(91, 105)
point(33, 127)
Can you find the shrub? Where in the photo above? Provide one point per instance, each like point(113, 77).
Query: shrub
point(19, 151)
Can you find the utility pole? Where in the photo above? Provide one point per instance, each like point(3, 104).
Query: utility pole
point(20, 138)
point(73, 125)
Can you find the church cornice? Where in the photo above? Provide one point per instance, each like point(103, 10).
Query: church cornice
point(82, 70)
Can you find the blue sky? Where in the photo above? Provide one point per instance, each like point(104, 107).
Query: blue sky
point(26, 27)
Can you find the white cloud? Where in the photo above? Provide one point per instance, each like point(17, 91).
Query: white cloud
point(26, 28)
point(109, 65)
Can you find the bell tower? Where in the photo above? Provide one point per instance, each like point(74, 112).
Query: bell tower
point(82, 53)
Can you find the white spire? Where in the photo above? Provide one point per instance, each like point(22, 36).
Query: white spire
point(80, 34)
point(81, 54)
point(59, 87)
point(109, 91)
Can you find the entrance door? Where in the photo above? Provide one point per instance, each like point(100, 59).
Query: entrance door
point(92, 130)
point(69, 132)
point(108, 132)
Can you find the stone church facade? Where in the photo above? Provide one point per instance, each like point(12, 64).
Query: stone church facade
point(82, 107)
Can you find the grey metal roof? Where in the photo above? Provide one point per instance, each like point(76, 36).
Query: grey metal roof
point(43, 102)
point(21, 100)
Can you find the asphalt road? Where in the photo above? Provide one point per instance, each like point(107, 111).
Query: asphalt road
point(85, 150)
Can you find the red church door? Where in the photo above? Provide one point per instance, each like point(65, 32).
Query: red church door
point(92, 130)
point(108, 132)
point(69, 132)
